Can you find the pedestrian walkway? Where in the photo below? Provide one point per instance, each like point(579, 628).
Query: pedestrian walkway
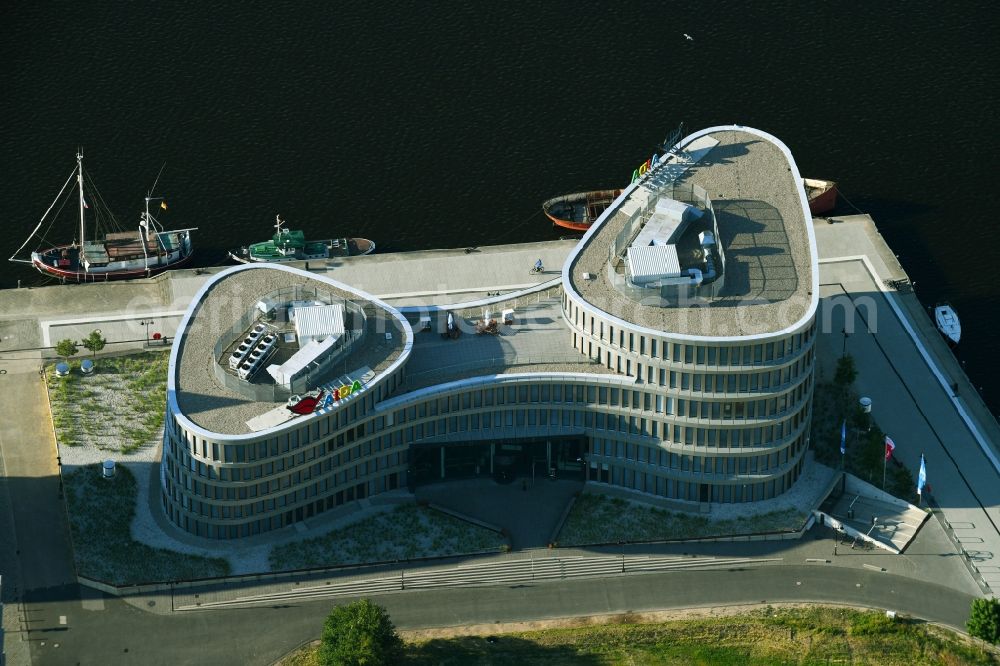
point(35, 551)
point(909, 401)
point(529, 508)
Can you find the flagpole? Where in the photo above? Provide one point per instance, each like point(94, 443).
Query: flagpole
point(885, 460)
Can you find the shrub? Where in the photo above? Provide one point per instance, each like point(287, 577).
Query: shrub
point(846, 371)
point(984, 620)
point(94, 342)
point(359, 633)
point(66, 348)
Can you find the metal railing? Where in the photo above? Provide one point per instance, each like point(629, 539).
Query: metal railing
point(692, 195)
point(492, 364)
point(322, 371)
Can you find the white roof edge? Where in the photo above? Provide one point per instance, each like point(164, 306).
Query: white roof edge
point(813, 252)
point(469, 382)
point(194, 428)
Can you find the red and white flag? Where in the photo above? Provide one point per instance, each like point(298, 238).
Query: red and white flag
point(890, 446)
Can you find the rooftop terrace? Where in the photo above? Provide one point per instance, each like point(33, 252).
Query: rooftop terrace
point(537, 341)
point(758, 201)
point(214, 407)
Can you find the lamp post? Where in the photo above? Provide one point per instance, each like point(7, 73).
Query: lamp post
point(146, 323)
point(843, 351)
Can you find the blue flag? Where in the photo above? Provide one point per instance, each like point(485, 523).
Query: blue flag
point(843, 437)
point(921, 476)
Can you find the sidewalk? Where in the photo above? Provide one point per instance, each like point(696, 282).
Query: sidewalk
point(35, 550)
point(909, 402)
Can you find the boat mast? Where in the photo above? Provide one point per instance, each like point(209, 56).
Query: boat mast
point(79, 179)
point(147, 220)
point(144, 223)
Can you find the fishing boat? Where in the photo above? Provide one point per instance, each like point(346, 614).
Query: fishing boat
point(110, 252)
point(291, 245)
point(947, 322)
point(822, 195)
point(579, 210)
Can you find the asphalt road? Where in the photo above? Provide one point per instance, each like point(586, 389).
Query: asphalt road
point(261, 635)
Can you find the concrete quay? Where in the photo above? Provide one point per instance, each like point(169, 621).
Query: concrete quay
point(35, 318)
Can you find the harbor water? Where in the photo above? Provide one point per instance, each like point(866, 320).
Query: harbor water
point(423, 125)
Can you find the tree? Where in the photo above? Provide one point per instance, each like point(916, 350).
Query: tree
point(984, 620)
point(359, 634)
point(66, 348)
point(94, 342)
point(846, 371)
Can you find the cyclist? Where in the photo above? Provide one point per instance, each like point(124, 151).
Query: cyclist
point(538, 266)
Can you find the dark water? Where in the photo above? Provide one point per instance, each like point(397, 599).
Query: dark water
point(425, 125)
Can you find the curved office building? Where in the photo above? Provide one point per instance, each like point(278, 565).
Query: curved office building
point(674, 357)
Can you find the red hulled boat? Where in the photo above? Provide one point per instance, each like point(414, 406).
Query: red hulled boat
point(579, 210)
point(110, 252)
point(822, 195)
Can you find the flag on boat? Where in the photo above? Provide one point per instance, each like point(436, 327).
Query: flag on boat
point(921, 476)
point(84, 201)
point(890, 446)
point(843, 437)
point(163, 205)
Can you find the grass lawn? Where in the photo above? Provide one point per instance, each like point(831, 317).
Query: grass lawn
point(814, 635)
point(100, 513)
point(120, 407)
point(598, 518)
point(407, 532)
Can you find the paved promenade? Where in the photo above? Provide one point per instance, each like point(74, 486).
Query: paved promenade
point(40, 316)
point(913, 402)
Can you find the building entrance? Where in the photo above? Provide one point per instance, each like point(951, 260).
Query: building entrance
point(505, 460)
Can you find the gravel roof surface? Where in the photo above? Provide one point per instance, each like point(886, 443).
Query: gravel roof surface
point(763, 233)
point(211, 405)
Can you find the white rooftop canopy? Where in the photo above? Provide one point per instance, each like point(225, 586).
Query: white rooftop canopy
point(652, 263)
point(316, 322)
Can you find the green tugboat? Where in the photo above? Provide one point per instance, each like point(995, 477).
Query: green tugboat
point(289, 245)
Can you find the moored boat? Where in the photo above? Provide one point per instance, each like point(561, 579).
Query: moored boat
point(291, 245)
point(111, 252)
point(822, 195)
point(947, 322)
point(579, 210)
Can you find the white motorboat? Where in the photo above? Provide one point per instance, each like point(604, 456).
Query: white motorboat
point(947, 322)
